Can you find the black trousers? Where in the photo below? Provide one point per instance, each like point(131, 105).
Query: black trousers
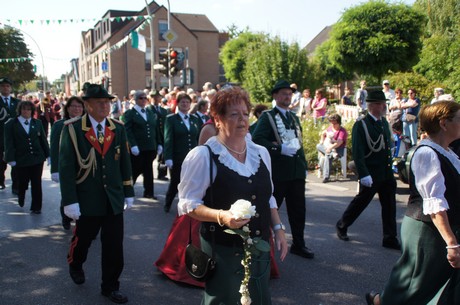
point(293, 192)
point(143, 164)
point(3, 167)
point(86, 230)
point(387, 196)
point(173, 183)
point(34, 175)
point(162, 169)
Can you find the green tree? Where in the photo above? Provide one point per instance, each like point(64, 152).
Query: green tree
point(439, 56)
point(271, 60)
point(233, 55)
point(12, 45)
point(372, 39)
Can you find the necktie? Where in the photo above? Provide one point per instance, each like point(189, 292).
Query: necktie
point(26, 122)
point(100, 135)
point(6, 102)
point(143, 110)
point(185, 117)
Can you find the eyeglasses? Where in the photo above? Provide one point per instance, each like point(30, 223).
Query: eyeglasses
point(410, 92)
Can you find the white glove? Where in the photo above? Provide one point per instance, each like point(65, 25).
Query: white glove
point(135, 150)
point(12, 163)
point(169, 164)
point(366, 181)
point(287, 150)
point(129, 202)
point(55, 177)
point(48, 161)
point(72, 211)
point(159, 150)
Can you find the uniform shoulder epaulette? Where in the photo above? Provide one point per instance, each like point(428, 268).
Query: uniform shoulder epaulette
point(360, 118)
point(72, 120)
point(171, 114)
point(118, 121)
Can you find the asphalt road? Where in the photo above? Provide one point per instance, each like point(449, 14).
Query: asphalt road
point(33, 248)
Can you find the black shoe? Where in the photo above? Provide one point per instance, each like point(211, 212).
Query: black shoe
point(115, 296)
point(15, 192)
point(341, 233)
point(66, 224)
point(35, 211)
point(325, 180)
point(77, 275)
point(302, 251)
point(370, 297)
point(391, 243)
point(149, 196)
point(164, 178)
point(166, 208)
point(21, 202)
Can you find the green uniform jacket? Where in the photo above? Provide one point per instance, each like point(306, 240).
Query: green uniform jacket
point(284, 168)
point(377, 164)
point(54, 144)
point(7, 113)
point(178, 139)
point(108, 183)
point(161, 117)
point(141, 133)
point(25, 148)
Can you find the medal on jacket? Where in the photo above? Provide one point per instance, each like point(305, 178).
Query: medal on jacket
point(117, 154)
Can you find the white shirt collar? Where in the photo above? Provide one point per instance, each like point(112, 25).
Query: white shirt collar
point(138, 108)
point(283, 111)
point(374, 117)
point(94, 122)
point(182, 115)
point(23, 119)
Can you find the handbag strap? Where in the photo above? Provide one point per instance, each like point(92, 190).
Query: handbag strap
point(212, 227)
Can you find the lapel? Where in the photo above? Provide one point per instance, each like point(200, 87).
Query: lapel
point(181, 122)
point(109, 135)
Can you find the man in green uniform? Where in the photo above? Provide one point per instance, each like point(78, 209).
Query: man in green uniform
point(155, 105)
point(8, 105)
point(372, 156)
point(144, 138)
point(279, 130)
point(96, 187)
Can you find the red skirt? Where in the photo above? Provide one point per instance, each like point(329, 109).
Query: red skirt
point(172, 259)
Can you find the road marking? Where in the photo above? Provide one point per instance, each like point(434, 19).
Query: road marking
point(328, 186)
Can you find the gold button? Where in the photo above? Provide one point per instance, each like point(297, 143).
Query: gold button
point(257, 215)
point(249, 181)
point(253, 197)
point(257, 232)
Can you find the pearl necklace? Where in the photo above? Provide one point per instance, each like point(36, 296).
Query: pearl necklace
point(238, 153)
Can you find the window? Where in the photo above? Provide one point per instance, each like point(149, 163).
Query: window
point(162, 28)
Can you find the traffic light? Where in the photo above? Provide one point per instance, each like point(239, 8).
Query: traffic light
point(163, 60)
point(173, 69)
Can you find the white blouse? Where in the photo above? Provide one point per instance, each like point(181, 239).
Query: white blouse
point(194, 175)
point(429, 179)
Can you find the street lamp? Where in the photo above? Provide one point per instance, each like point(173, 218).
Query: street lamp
point(41, 55)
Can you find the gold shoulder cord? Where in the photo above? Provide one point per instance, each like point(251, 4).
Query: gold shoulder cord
point(86, 165)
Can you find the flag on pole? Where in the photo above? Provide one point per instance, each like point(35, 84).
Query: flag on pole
point(138, 41)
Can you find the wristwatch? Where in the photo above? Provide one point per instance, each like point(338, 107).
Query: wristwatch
point(279, 226)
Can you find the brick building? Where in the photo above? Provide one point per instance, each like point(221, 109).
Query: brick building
point(107, 57)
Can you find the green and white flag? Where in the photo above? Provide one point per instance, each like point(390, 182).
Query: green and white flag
point(138, 41)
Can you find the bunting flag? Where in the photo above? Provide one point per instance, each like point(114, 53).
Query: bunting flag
point(122, 42)
point(17, 59)
point(138, 41)
point(23, 22)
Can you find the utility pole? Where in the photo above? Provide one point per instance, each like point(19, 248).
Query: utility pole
point(170, 77)
point(152, 49)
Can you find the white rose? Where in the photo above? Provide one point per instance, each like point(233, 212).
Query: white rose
point(242, 209)
point(245, 300)
point(250, 241)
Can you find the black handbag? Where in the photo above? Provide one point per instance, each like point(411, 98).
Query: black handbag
point(199, 264)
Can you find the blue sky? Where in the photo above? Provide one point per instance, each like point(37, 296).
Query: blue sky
point(292, 20)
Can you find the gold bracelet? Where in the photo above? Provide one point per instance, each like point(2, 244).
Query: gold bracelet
point(218, 218)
